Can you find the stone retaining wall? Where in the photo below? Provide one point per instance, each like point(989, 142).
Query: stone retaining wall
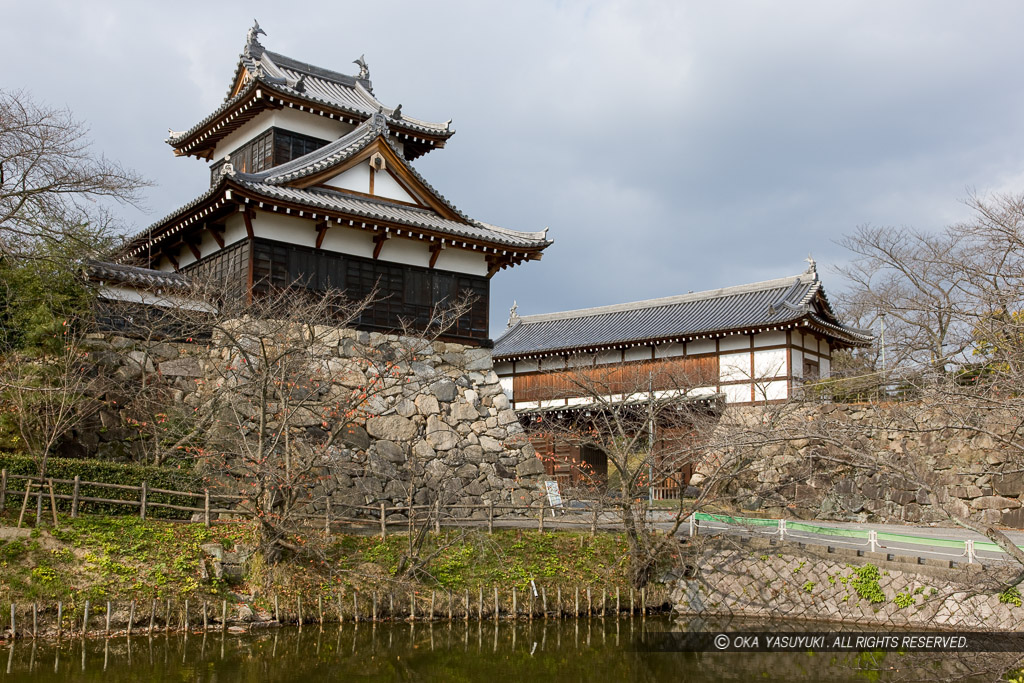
point(762, 581)
point(805, 477)
point(442, 427)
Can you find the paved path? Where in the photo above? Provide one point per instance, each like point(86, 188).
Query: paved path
point(937, 542)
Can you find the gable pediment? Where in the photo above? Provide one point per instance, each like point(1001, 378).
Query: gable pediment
point(377, 171)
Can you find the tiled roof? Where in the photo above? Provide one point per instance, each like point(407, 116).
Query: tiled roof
point(133, 275)
point(338, 201)
point(773, 303)
point(336, 153)
point(276, 73)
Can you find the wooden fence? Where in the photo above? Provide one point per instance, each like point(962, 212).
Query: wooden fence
point(212, 507)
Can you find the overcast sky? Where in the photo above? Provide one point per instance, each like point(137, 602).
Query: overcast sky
point(669, 146)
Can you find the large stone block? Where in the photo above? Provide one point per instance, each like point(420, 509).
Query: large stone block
point(355, 436)
point(391, 451)
point(1011, 485)
point(445, 390)
point(530, 467)
point(439, 435)
point(391, 427)
point(994, 503)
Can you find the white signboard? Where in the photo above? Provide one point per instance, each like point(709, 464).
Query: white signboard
point(554, 497)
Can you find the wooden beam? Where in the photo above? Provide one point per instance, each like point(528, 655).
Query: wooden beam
point(379, 241)
point(217, 231)
point(321, 231)
point(192, 242)
point(171, 257)
point(435, 251)
point(247, 215)
point(496, 263)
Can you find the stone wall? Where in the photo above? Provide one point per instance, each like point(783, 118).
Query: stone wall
point(807, 477)
point(789, 583)
point(440, 426)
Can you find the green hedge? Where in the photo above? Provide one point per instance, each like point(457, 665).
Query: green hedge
point(107, 473)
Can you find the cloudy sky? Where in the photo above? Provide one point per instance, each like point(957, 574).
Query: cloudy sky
point(669, 146)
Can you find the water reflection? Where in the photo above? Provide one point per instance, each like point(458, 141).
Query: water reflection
point(572, 650)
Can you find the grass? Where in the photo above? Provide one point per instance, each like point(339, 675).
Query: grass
point(123, 558)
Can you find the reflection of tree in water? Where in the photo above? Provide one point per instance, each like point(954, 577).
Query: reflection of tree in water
point(569, 650)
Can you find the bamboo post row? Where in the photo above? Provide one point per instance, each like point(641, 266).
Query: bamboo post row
point(573, 607)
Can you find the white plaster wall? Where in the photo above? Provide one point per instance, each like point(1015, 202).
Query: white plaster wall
point(386, 186)
point(771, 391)
point(407, 251)
point(130, 294)
point(460, 261)
point(797, 363)
point(769, 338)
point(638, 353)
point(284, 228)
point(825, 367)
point(356, 178)
point(770, 363)
point(810, 342)
point(294, 120)
point(580, 360)
point(609, 357)
point(734, 366)
point(234, 229)
point(737, 393)
point(554, 363)
point(700, 346)
point(669, 350)
point(347, 240)
point(506, 386)
point(734, 342)
point(528, 365)
point(503, 368)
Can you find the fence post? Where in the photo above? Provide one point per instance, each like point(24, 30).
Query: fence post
point(53, 501)
point(74, 498)
point(490, 514)
point(327, 518)
point(206, 507)
point(593, 522)
point(971, 558)
point(873, 540)
point(437, 516)
point(3, 488)
point(540, 520)
point(383, 523)
point(693, 524)
point(782, 530)
point(142, 501)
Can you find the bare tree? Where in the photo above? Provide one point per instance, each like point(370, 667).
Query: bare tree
point(50, 181)
point(652, 422)
point(45, 398)
point(290, 391)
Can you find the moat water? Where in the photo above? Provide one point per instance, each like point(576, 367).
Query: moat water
point(557, 651)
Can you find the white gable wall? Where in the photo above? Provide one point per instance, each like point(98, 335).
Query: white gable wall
point(356, 178)
point(290, 119)
point(386, 186)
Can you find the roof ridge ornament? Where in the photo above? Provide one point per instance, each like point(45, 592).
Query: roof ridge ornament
point(252, 44)
point(364, 68)
point(513, 314)
point(812, 266)
point(228, 168)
